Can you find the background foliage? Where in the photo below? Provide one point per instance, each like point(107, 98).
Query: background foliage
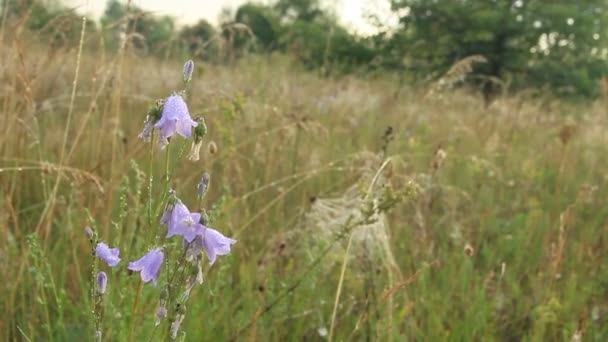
point(527, 44)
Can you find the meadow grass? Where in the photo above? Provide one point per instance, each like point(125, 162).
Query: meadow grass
point(496, 230)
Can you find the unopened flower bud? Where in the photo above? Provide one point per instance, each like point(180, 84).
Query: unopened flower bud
point(188, 69)
point(201, 129)
point(161, 313)
point(102, 282)
point(203, 185)
point(89, 233)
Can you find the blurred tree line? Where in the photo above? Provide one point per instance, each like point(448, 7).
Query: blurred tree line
point(558, 45)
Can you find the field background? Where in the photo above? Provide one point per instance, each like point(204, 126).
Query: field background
point(495, 227)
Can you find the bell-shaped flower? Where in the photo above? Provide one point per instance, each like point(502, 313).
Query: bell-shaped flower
point(107, 254)
point(149, 265)
point(216, 244)
point(175, 118)
point(184, 223)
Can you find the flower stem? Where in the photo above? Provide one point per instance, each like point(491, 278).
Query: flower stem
point(134, 310)
point(150, 179)
point(167, 178)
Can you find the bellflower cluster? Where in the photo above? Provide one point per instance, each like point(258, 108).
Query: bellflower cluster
point(197, 236)
point(184, 268)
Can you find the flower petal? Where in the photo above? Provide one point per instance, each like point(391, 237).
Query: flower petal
point(109, 256)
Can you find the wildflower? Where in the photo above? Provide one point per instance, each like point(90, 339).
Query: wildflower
point(199, 133)
point(149, 265)
point(203, 185)
point(184, 223)
point(188, 69)
point(146, 133)
point(216, 244)
point(175, 118)
point(102, 281)
point(107, 254)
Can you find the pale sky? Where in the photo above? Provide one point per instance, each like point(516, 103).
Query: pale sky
point(350, 12)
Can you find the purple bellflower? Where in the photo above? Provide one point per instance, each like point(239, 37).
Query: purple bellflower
point(175, 118)
point(216, 244)
point(149, 265)
point(213, 242)
point(107, 254)
point(184, 223)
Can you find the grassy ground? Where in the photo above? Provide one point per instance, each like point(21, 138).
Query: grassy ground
point(459, 222)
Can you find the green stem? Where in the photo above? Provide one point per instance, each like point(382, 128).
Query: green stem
point(150, 179)
point(167, 179)
point(133, 316)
